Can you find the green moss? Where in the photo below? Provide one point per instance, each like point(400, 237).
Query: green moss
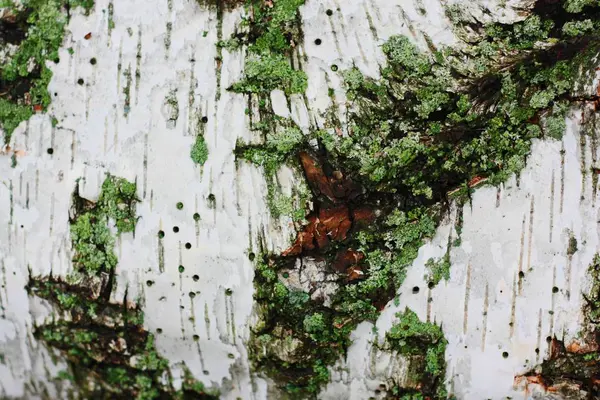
point(93, 244)
point(262, 156)
point(109, 353)
point(45, 22)
point(11, 115)
point(199, 152)
point(296, 325)
point(430, 125)
point(118, 200)
point(92, 240)
point(409, 336)
point(283, 140)
point(273, 30)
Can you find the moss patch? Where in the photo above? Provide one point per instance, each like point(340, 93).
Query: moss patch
point(24, 76)
point(199, 152)
point(109, 353)
point(424, 345)
point(91, 237)
point(433, 127)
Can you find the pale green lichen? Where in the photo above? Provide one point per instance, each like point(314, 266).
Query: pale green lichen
point(27, 67)
point(108, 351)
point(92, 240)
point(438, 270)
point(434, 122)
point(269, 72)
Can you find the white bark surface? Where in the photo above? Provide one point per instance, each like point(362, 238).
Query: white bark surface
point(485, 308)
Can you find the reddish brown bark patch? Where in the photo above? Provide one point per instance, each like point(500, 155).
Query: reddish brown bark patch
point(570, 370)
point(355, 273)
point(329, 224)
point(336, 187)
point(347, 258)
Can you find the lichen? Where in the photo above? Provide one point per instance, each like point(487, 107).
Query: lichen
point(265, 73)
point(24, 76)
point(429, 130)
point(424, 345)
point(108, 351)
point(438, 269)
point(91, 237)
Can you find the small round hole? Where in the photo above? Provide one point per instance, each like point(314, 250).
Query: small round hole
point(196, 338)
point(211, 197)
point(93, 61)
point(251, 256)
point(548, 339)
point(192, 294)
point(161, 234)
point(179, 205)
point(196, 278)
point(329, 12)
point(537, 351)
point(505, 354)
point(50, 150)
point(149, 283)
point(175, 229)
point(57, 60)
point(228, 292)
point(318, 42)
point(188, 245)
point(204, 119)
point(205, 372)
point(196, 217)
point(181, 307)
point(431, 285)
point(415, 289)
point(334, 67)
point(158, 330)
point(554, 289)
point(230, 355)
point(80, 81)
point(285, 275)
point(55, 94)
point(521, 274)
point(181, 269)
